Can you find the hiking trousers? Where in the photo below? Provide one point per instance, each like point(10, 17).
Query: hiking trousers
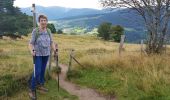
point(40, 67)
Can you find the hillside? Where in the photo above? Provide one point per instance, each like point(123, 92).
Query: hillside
point(133, 24)
point(85, 20)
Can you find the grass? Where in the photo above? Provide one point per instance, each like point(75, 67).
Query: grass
point(16, 65)
point(129, 77)
point(16, 61)
point(53, 93)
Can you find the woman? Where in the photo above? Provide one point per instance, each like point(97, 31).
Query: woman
point(40, 45)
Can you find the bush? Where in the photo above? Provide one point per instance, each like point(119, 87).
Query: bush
point(109, 32)
point(51, 27)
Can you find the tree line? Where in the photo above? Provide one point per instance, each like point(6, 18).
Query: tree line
point(14, 23)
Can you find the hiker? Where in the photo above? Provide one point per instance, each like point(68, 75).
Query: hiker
point(40, 45)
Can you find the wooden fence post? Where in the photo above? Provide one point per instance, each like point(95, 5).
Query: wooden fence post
point(165, 44)
point(70, 60)
point(121, 44)
point(142, 48)
point(141, 43)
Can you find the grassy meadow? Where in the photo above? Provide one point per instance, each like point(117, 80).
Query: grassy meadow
point(53, 93)
point(130, 77)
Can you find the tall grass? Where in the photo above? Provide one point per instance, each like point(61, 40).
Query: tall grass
point(16, 61)
point(129, 77)
point(14, 65)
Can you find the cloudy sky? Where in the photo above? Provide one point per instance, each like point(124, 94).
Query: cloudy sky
point(64, 3)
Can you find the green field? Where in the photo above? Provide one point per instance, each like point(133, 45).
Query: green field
point(129, 77)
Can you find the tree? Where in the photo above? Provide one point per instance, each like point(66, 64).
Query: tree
point(104, 30)
point(51, 27)
point(116, 32)
point(12, 20)
point(156, 15)
point(60, 31)
point(6, 6)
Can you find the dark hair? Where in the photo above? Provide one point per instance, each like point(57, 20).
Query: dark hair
point(42, 16)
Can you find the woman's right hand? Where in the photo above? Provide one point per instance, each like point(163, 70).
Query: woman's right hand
point(33, 52)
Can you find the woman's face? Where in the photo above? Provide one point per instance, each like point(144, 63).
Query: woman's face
point(43, 22)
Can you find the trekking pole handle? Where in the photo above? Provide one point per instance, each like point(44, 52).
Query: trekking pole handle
point(34, 59)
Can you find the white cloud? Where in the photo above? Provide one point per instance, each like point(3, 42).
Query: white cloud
point(63, 3)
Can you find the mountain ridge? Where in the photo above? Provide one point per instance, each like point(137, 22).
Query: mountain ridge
point(85, 18)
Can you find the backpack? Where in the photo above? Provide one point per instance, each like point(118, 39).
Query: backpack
point(37, 33)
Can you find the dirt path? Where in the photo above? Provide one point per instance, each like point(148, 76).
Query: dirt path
point(82, 93)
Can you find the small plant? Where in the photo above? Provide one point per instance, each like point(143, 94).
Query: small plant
point(73, 74)
point(56, 70)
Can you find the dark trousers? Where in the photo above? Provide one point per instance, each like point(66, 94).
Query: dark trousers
point(40, 66)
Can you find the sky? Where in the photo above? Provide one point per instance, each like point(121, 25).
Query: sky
point(63, 3)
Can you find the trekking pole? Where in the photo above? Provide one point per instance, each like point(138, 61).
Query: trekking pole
point(57, 65)
point(48, 73)
point(35, 78)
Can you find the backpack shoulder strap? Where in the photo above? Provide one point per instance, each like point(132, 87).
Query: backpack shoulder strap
point(49, 31)
point(36, 33)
